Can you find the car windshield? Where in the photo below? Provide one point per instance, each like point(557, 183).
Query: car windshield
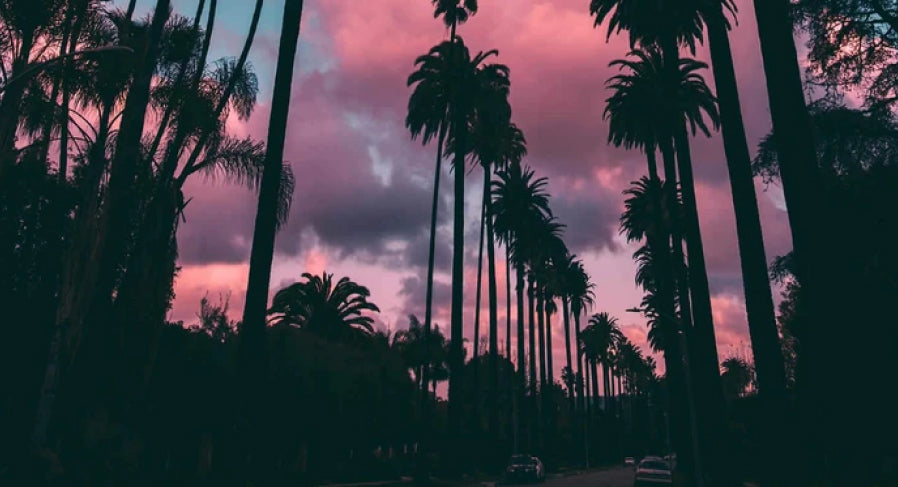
point(654, 465)
point(522, 460)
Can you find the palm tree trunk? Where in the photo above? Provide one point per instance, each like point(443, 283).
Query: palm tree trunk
point(595, 385)
point(541, 330)
point(456, 356)
point(492, 289)
point(162, 125)
point(130, 12)
point(758, 298)
point(475, 363)
point(477, 299)
point(533, 412)
point(200, 145)
point(522, 356)
point(580, 369)
point(507, 300)
point(806, 207)
point(567, 346)
point(252, 343)
point(550, 368)
point(428, 305)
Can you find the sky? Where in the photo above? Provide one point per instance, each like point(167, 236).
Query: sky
point(363, 188)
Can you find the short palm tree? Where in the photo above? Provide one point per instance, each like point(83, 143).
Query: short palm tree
point(334, 310)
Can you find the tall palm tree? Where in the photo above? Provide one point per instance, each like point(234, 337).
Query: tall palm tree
point(334, 310)
point(497, 143)
point(687, 100)
point(428, 108)
point(453, 13)
point(519, 198)
point(563, 284)
point(807, 209)
point(252, 343)
point(582, 298)
point(649, 217)
point(82, 294)
point(604, 334)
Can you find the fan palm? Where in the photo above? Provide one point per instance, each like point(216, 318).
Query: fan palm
point(333, 310)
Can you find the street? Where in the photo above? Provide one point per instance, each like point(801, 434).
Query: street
point(614, 477)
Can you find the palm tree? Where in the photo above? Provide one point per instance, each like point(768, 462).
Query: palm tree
point(582, 298)
point(252, 343)
point(82, 294)
point(648, 216)
point(497, 143)
point(335, 311)
point(428, 107)
point(453, 13)
point(519, 198)
point(807, 208)
point(604, 334)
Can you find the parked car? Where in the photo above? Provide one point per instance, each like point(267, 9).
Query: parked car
point(653, 471)
point(629, 461)
point(525, 468)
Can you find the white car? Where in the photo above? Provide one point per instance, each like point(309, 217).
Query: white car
point(653, 471)
point(629, 461)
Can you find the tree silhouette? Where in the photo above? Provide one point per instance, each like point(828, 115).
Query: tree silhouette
point(332, 310)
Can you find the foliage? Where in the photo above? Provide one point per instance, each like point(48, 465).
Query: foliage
point(332, 310)
point(852, 46)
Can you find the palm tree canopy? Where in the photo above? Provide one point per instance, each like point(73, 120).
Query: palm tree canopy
point(518, 198)
point(647, 212)
point(580, 288)
point(642, 88)
point(454, 11)
point(651, 21)
point(318, 304)
point(602, 335)
point(498, 143)
point(446, 70)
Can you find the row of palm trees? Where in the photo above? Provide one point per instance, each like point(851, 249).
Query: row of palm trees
point(659, 80)
point(663, 214)
point(461, 101)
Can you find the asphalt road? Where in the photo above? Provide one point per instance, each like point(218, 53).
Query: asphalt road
point(615, 477)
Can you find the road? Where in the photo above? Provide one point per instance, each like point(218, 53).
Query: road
point(614, 477)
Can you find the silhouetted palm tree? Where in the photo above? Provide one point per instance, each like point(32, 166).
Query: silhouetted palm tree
point(582, 299)
point(497, 143)
point(428, 108)
point(802, 188)
point(252, 343)
point(456, 58)
point(333, 310)
point(519, 198)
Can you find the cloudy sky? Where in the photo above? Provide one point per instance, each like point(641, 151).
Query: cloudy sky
point(361, 206)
